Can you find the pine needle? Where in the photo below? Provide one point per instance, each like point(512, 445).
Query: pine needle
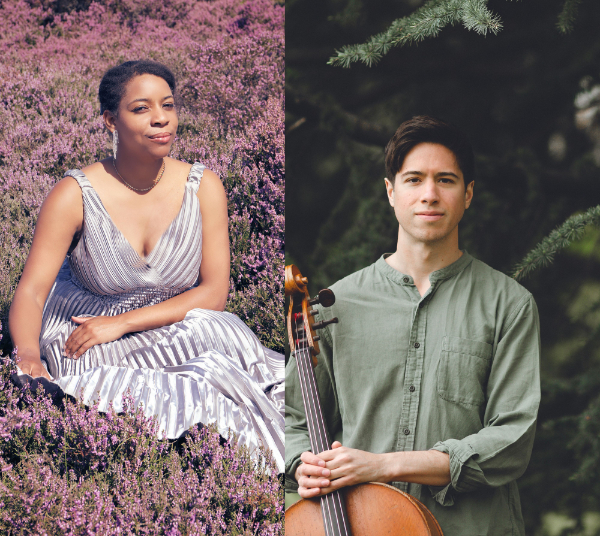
point(477, 17)
point(427, 21)
point(568, 15)
point(543, 254)
point(432, 17)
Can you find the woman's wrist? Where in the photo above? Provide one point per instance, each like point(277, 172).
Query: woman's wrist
point(127, 322)
point(28, 354)
point(138, 320)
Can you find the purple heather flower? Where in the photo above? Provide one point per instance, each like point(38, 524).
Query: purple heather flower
point(92, 473)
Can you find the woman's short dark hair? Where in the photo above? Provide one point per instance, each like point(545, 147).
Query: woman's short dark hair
point(425, 129)
point(112, 86)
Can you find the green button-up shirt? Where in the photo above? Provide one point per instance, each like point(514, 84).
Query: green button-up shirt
point(456, 370)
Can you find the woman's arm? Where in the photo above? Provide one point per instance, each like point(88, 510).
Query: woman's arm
point(60, 218)
point(211, 293)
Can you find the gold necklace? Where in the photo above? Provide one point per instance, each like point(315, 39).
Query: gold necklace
point(154, 183)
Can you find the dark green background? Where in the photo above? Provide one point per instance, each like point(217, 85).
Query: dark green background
point(511, 93)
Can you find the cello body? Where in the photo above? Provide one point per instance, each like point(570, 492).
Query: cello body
point(371, 509)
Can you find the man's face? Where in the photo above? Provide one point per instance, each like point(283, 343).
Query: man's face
point(429, 196)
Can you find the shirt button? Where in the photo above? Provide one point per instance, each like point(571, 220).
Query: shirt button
point(417, 345)
point(405, 279)
point(412, 388)
point(406, 431)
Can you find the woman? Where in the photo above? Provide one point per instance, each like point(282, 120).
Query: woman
point(132, 305)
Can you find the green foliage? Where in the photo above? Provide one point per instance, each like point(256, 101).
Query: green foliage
point(586, 444)
point(566, 19)
point(560, 238)
point(428, 20)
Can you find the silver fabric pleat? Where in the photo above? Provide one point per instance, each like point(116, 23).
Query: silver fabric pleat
point(208, 368)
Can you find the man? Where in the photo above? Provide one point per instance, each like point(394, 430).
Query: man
point(430, 380)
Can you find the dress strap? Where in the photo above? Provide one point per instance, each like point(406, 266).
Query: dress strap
point(80, 177)
point(195, 175)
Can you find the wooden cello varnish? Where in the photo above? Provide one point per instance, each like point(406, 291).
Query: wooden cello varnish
point(367, 509)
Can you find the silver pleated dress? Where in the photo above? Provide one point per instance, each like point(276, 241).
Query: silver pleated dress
point(208, 368)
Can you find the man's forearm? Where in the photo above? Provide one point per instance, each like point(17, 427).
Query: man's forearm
point(339, 467)
point(429, 467)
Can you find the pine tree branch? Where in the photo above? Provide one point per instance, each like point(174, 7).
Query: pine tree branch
point(560, 238)
point(566, 19)
point(429, 19)
point(426, 21)
point(477, 17)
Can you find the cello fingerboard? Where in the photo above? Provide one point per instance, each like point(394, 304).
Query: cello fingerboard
point(333, 508)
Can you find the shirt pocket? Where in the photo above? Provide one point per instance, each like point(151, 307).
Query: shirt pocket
point(463, 370)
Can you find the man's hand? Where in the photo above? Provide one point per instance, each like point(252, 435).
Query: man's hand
point(341, 466)
point(311, 475)
point(92, 331)
point(333, 469)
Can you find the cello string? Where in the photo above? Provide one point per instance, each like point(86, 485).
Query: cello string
point(323, 438)
point(328, 505)
point(306, 369)
point(326, 502)
point(302, 356)
point(334, 499)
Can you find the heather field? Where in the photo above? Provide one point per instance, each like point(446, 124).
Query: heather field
point(65, 468)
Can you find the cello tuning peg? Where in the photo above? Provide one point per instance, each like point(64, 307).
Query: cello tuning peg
point(319, 325)
point(313, 312)
point(325, 297)
point(316, 338)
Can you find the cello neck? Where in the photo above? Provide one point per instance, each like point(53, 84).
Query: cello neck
point(335, 517)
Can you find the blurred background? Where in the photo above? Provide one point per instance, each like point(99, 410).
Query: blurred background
point(529, 99)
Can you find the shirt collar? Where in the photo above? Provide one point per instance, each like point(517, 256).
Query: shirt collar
point(444, 273)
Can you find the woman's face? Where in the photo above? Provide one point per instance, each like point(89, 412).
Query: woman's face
point(147, 120)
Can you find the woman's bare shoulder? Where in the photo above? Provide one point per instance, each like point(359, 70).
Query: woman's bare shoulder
point(210, 186)
point(65, 193)
point(210, 177)
point(63, 204)
point(97, 169)
point(180, 167)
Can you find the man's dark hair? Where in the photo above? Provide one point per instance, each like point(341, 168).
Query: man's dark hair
point(112, 86)
point(425, 129)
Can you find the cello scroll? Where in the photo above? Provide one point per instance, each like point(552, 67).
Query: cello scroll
point(301, 314)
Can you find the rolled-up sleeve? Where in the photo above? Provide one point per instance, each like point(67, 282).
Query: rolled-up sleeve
point(500, 451)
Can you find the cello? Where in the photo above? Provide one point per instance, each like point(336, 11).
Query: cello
point(371, 509)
